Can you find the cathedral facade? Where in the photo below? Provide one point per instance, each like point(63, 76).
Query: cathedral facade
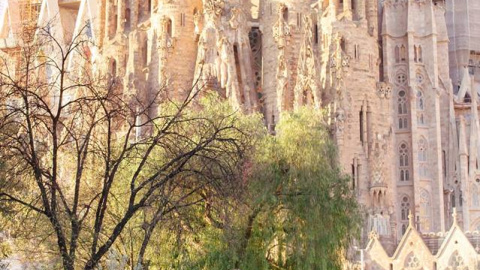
point(398, 78)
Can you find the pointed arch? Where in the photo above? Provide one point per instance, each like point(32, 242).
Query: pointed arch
point(403, 53)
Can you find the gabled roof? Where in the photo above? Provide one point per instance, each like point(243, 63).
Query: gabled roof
point(438, 246)
point(411, 235)
point(455, 232)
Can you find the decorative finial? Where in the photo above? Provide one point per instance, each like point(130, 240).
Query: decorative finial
point(454, 215)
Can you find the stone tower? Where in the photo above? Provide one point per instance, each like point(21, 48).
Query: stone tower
point(415, 45)
point(359, 105)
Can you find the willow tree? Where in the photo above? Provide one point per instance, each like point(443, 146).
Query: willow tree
point(297, 211)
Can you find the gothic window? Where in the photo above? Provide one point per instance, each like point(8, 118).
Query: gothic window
point(420, 54)
point(299, 20)
point(360, 115)
point(412, 262)
point(415, 52)
point(343, 44)
point(456, 262)
point(356, 51)
point(402, 110)
point(405, 208)
point(397, 54)
point(425, 210)
point(420, 101)
point(404, 163)
point(403, 53)
point(316, 33)
point(404, 228)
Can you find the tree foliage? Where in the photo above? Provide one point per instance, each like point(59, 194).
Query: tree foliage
point(298, 211)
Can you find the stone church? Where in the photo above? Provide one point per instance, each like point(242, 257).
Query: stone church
point(400, 80)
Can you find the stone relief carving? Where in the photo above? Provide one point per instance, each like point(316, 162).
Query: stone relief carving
point(384, 90)
point(306, 89)
point(281, 29)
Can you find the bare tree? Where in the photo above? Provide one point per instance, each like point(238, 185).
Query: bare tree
point(79, 144)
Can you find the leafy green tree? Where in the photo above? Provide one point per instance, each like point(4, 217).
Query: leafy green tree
point(298, 211)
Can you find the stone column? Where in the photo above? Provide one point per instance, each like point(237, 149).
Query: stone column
point(108, 15)
point(360, 10)
point(120, 17)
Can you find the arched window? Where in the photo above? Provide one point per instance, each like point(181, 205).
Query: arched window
point(404, 162)
point(420, 108)
point(397, 54)
point(415, 52)
point(420, 54)
point(402, 110)
point(405, 208)
point(403, 53)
